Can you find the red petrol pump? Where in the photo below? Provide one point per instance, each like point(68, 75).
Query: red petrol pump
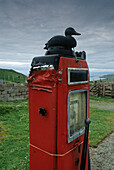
point(59, 107)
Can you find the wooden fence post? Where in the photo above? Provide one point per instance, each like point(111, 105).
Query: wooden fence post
point(103, 89)
point(112, 93)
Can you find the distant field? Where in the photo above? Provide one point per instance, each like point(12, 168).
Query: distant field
point(11, 76)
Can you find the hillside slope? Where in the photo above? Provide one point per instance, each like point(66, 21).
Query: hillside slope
point(11, 76)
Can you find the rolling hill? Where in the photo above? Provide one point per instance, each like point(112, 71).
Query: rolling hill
point(108, 77)
point(11, 76)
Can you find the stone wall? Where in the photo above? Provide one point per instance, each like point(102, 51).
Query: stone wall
point(12, 92)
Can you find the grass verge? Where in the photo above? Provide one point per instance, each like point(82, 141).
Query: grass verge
point(102, 123)
point(105, 99)
point(14, 145)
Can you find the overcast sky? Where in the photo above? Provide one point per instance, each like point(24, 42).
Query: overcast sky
point(26, 25)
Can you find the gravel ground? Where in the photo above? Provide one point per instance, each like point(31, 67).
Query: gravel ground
point(102, 157)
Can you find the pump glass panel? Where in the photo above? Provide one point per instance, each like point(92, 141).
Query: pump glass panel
point(77, 113)
point(77, 76)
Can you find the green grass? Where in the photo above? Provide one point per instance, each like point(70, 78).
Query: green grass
point(10, 76)
point(15, 135)
point(105, 99)
point(14, 125)
point(102, 123)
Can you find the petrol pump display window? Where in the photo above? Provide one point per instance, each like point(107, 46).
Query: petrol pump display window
point(77, 113)
point(77, 76)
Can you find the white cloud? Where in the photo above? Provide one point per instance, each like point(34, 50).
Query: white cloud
point(13, 63)
point(101, 70)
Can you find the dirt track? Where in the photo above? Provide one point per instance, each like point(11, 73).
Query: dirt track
point(102, 105)
point(102, 157)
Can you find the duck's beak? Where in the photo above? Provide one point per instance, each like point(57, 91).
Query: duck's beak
point(76, 33)
point(46, 46)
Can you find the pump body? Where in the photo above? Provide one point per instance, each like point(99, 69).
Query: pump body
point(58, 109)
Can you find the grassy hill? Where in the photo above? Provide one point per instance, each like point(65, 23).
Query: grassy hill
point(109, 77)
point(11, 76)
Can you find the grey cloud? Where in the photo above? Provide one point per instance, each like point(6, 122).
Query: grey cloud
point(26, 25)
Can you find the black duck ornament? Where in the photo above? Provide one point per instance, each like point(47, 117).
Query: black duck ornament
point(62, 44)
